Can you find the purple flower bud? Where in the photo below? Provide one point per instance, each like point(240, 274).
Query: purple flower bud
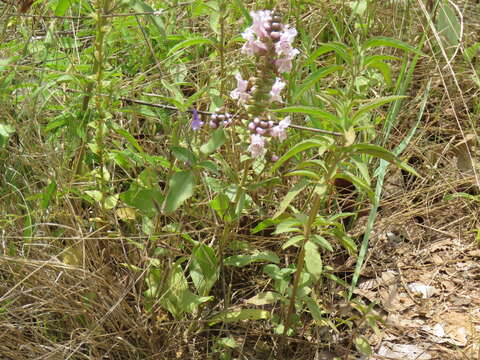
point(256, 121)
point(260, 131)
point(213, 124)
point(196, 122)
point(275, 158)
point(270, 124)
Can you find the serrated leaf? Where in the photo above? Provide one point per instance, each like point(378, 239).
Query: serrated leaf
point(181, 187)
point(313, 260)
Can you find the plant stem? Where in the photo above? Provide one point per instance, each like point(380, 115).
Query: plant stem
point(301, 260)
point(101, 6)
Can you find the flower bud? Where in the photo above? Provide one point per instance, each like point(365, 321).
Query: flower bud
point(275, 158)
point(276, 26)
point(261, 131)
point(275, 35)
point(213, 124)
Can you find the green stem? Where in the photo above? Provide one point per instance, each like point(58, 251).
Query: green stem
point(301, 260)
point(101, 6)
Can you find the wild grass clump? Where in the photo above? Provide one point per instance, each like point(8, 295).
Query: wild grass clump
point(185, 180)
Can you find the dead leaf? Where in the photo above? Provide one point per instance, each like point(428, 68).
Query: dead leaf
point(402, 351)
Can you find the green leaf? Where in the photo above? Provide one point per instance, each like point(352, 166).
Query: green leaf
point(129, 137)
point(264, 298)
point(313, 79)
point(244, 260)
point(374, 104)
point(313, 260)
point(140, 6)
point(181, 187)
point(363, 346)
point(218, 139)
point(305, 174)
point(292, 241)
point(47, 194)
point(321, 241)
point(346, 241)
point(448, 24)
point(288, 225)
point(176, 297)
point(204, 268)
point(221, 205)
point(189, 42)
point(340, 49)
point(360, 184)
point(310, 110)
point(62, 7)
point(382, 153)
point(184, 155)
point(298, 148)
point(395, 43)
point(294, 191)
point(5, 132)
point(233, 315)
point(315, 310)
point(240, 5)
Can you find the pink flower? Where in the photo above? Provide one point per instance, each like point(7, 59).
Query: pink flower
point(284, 46)
point(253, 46)
point(257, 145)
point(285, 51)
point(240, 93)
point(280, 131)
point(276, 90)
point(261, 20)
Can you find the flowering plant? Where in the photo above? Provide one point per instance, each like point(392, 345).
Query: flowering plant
point(270, 42)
